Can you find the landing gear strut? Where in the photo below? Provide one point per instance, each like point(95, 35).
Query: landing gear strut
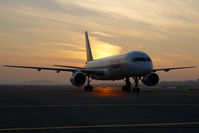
point(127, 86)
point(88, 87)
point(136, 86)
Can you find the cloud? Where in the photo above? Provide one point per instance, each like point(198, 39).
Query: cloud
point(103, 49)
point(140, 10)
point(181, 57)
point(102, 34)
point(169, 16)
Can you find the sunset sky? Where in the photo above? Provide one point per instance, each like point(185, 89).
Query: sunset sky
point(48, 32)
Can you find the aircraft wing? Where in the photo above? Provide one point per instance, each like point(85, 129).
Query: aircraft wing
point(69, 66)
point(84, 70)
point(168, 69)
point(41, 68)
point(94, 71)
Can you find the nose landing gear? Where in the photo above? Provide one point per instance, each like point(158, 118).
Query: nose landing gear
point(127, 87)
point(136, 85)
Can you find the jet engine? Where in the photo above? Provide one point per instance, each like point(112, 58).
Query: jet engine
point(78, 79)
point(151, 79)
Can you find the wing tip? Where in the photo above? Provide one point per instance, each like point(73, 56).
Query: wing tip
point(5, 65)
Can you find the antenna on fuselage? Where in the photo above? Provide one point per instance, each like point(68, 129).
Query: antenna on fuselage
point(88, 48)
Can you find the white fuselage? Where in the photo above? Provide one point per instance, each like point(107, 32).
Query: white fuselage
point(131, 64)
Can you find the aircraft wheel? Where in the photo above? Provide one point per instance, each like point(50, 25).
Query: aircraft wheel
point(134, 89)
point(86, 88)
point(128, 89)
point(90, 88)
point(123, 88)
point(138, 90)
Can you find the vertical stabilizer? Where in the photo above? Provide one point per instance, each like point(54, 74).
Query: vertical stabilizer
point(88, 48)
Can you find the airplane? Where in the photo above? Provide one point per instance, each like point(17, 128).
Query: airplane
point(134, 64)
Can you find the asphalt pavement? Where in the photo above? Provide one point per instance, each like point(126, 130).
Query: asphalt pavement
point(57, 109)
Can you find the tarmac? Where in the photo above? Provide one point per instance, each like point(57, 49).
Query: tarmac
point(61, 109)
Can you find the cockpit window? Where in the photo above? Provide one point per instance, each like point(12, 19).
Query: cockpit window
point(141, 59)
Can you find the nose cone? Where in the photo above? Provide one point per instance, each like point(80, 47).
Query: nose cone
point(140, 68)
point(145, 67)
point(140, 63)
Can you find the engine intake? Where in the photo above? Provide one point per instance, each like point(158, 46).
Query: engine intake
point(151, 80)
point(78, 79)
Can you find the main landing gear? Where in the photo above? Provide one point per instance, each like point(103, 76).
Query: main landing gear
point(136, 86)
point(88, 87)
point(127, 87)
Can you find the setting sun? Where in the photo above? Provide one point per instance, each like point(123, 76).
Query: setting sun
point(103, 49)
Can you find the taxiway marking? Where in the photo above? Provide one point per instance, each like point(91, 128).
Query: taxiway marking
point(101, 126)
point(94, 105)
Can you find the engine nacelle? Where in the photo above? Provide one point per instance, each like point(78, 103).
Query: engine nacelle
point(151, 79)
point(78, 79)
